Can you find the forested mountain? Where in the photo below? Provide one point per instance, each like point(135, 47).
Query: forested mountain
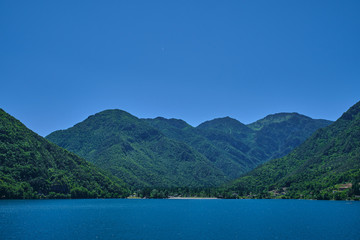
point(32, 167)
point(138, 153)
point(326, 166)
point(170, 153)
point(278, 134)
point(230, 159)
point(236, 148)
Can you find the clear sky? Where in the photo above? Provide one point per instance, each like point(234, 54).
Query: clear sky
point(61, 61)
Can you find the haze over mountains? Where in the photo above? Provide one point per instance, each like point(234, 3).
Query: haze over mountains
point(170, 153)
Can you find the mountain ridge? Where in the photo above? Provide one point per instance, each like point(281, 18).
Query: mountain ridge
point(236, 148)
point(277, 118)
point(139, 150)
point(318, 168)
point(133, 150)
point(32, 167)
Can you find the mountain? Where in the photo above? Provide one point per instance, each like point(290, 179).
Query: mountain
point(227, 125)
point(138, 153)
point(326, 166)
point(32, 167)
point(278, 134)
point(236, 148)
point(234, 138)
point(171, 153)
point(230, 160)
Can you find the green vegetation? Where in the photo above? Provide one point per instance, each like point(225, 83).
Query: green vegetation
point(326, 166)
point(175, 192)
point(166, 153)
point(32, 167)
point(236, 148)
point(134, 151)
point(168, 157)
point(228, 157)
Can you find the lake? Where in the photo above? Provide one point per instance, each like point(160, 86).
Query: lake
point(179, 219)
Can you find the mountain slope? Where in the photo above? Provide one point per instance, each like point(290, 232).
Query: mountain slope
point(234, 138)
point(230, 162)
point(136, 152)
point(277, 134)
point(32, 167)
point(326, 166)
point(237, 148)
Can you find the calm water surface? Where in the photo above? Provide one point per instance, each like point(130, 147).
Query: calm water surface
point(179, 219)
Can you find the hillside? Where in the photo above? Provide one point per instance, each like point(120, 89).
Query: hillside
point(32, 167)
point(232, 162)
point(278, 134)
point(236, 148)
point(326, 166)
point(138, 153)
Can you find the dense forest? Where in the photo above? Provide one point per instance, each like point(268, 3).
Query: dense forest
point(161, 158)
point(134, 151)
point(326, 166)
point(236, 148)
point(32, 167)
point(168, 153)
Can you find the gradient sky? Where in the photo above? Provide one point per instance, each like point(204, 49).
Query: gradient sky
point(61, 61)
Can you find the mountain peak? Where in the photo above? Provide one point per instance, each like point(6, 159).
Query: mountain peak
point(161, 122)
point(115, 117)
point(279, 118)
point(113, 112)
point(352, 112)
point(221, 120)
point(225, 124)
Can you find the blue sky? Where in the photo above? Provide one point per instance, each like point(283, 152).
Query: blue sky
point(61, 61)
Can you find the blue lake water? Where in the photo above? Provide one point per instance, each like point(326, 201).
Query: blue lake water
point(179, 219)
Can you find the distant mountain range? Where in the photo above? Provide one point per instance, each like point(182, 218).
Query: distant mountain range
point(236, 148)
point(170, 153)
point(32, 167)
point(284, 155)
point(325, 166)
point(136, 152)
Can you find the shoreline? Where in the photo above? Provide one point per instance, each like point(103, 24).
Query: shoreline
point(199, 198)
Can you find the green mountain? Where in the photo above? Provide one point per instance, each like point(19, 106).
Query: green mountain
point(278, 134)
point(236, 148)
point(32, 167)
point(231, 161)
point(234, 138)
point(140, 154)
point(326, 166)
